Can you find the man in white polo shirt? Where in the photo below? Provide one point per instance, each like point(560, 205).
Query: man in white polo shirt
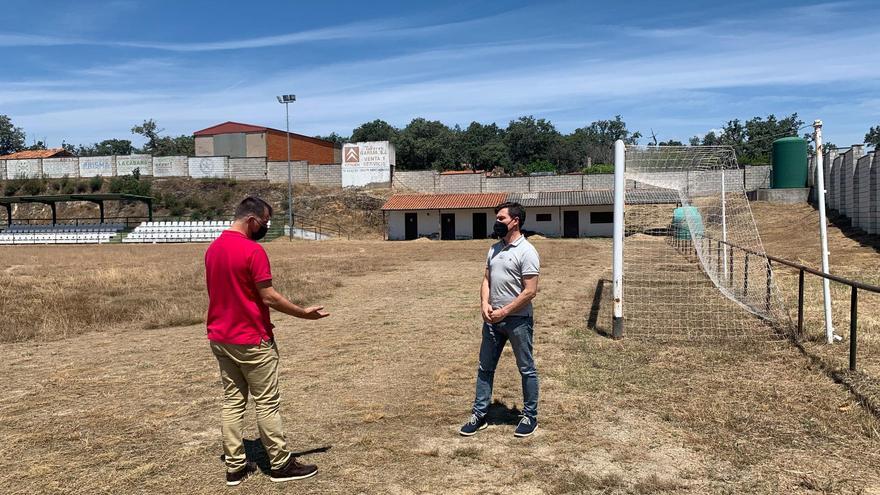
point(509, 285)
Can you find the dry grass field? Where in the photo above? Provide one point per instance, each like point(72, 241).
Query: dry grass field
point(110, 386)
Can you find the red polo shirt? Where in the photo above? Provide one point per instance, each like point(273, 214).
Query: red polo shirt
point(234, 265)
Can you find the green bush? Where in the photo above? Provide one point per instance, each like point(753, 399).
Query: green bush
point(599, 168)
point(82, 187)
point(95, 183)
point(539, 166)
point(11, 187)
point(33, 186)
point(130, 184)
point(67, 188)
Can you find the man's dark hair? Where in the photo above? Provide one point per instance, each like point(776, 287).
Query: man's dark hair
point(515, 210)
point(252, 206)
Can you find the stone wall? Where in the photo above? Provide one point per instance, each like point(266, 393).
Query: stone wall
point(852, 186)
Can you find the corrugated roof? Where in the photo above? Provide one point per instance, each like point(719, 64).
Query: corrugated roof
point(444, 201)
point(593, 197)
point(230, 127)
point(237, 127)
point(29, 154)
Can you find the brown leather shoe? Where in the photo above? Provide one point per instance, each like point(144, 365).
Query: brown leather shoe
point(235, 478)
point(292, 470)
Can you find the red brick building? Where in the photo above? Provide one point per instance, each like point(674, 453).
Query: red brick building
point(238, 140)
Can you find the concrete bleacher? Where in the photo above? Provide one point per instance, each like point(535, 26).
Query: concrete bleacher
point(164, 232)
point(60, 234)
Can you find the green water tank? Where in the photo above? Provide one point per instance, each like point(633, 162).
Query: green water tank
point(789, 163)
point(683, 218)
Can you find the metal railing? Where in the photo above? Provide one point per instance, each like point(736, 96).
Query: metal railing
point(854, 285)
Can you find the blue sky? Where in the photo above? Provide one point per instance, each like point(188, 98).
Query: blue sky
point(87, 70)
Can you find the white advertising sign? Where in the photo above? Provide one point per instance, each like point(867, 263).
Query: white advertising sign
point(23, 169)
point(126, 164)
point(56, 168)
point(170, 166)
point(366, 163)
point(207, 167)
point(92, 166)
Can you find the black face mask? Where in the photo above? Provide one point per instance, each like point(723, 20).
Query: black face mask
point(500, 229)
point(259, 234)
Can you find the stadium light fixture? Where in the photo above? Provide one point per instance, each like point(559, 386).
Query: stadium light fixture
point(286, 100)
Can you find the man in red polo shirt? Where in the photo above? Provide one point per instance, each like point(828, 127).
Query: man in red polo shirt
point(240, 294)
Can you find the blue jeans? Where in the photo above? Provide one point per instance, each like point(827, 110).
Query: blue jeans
point(518, 330)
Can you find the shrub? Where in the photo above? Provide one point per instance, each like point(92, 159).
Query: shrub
point(130, 184)
point(11, 187)
point(33, 186)
point(599, 168)
point(96, 183)
point(82, 187)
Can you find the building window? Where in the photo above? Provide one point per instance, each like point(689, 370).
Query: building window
point(544, 217)
point(601, 217)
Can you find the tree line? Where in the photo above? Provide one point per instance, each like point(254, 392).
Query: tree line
point(14, 139)
point(526, 145)
point(529, 144)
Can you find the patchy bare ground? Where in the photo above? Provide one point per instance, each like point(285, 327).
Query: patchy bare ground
point(376, 392)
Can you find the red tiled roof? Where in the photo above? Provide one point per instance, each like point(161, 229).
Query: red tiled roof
point(444, 201)
point(49, 153)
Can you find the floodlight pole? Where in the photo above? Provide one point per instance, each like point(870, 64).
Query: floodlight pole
point(823, 229)
point(286, 100)
point(617, 249)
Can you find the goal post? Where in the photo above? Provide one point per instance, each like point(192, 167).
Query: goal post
point(688, 262)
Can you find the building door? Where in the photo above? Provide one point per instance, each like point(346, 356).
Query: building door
point(447, 226)
point(411, 224)
point(570, 226)
point(479, 225)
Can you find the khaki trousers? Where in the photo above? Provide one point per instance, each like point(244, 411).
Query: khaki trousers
point(250, 370)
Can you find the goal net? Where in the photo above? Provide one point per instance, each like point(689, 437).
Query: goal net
point(693, 262)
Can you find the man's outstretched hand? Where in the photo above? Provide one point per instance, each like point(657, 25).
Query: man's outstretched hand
point(314, 313)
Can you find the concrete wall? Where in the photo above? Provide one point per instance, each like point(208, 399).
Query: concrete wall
point(247, 168)
point(56, 168)
point(126, 165)
point(170, 166)
point(874, 224)
point(2, 169)
point(428, 181)
point(204, 145)
point(862, 193)
point(208, 167)
point(93, 166)
point(853, 187)
point(24, 169)
point(256, 144)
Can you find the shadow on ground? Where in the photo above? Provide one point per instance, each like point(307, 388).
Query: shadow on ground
point(256, 452)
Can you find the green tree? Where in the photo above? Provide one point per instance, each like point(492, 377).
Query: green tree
point(872, 137)
point(529, 139)
point(157, 145)
point(12, 138)
point(38, 145)
point(334, 138)
point(482, 147)
point(425, 144)
point(596, 141)
point(377, 130)
point(670, 142)
point(107, 147)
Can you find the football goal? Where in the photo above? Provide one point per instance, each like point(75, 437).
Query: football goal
point(694, 268)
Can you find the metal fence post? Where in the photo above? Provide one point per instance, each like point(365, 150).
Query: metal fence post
point(800, 327)
point(853, 323)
